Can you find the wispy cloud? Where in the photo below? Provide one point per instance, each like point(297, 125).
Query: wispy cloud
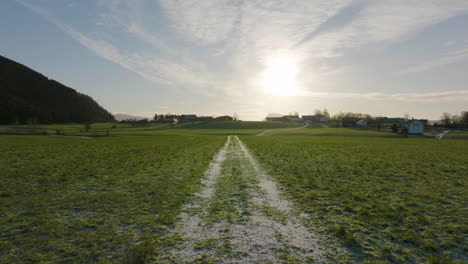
point(219, 46)
point(203, 22)
point(385, 22)
point(449, 58)
point(409, 97)
point(100, 47)
point(149, 66)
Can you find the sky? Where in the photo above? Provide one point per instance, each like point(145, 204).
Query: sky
point(250, 57)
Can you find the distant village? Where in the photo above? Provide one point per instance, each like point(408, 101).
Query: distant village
point(413, 126)
point(405, 125)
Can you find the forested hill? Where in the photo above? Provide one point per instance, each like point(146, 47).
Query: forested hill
point(27, 96)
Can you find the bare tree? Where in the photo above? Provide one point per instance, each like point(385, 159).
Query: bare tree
point(464, 116)
point(325, 113)
point(446, 118)
point(456, 118)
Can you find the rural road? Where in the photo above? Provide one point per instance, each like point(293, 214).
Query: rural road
point(240, 216)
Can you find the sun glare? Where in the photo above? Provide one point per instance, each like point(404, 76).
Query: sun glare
point(279, 78)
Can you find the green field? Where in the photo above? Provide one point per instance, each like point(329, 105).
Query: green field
point(457, 135)
point(370, 196)
point(118, 129)
point(332, 131)
point(386, 200)
point(67, 199)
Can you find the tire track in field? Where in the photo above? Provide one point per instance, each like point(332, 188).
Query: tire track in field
point(297, 241)
point(260, 225)
point(269, 131)
point(191, 219)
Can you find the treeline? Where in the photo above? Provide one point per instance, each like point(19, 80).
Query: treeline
point(342, 115)
point(28, 97)
point(169, 116)
point(174, 119)
point(161, 117)
point(445, 119)
point(448, 119)
point(339, 115)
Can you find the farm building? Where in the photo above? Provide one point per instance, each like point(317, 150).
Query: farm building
point(169, 120)
point(286, 118)
point(205, 118)
point(393, 120)
point(362, 122)
point(294, 118)
point(274, 118)
point(460, 125)
point(424, 121)
point(188, 118)
point(349, 121)
point(315, 118)
point(415, 127)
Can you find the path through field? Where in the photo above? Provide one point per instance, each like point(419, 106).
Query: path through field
point(441, 135)
point(269, 131)
point(239, 216)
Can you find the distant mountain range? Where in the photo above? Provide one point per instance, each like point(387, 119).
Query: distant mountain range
point(27, 96)
point(122, 116)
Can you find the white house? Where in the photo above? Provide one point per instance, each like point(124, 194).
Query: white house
point(415, 127)
point(362, 122)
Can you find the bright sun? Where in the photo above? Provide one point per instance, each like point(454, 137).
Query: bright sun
point(279, 78)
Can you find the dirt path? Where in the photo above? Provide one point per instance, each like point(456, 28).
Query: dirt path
point(441, 135)
point(269, 131)
point(240, 216)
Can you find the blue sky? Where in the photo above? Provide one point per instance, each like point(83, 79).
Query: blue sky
point(252, 57)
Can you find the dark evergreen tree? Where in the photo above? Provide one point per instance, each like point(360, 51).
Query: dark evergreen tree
point(27, 96)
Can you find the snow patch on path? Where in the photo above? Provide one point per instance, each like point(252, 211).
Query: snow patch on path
point(271, 227)
point(290, 231)
point(191, 218)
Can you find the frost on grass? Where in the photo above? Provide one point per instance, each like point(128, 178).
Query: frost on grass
point(214, 171)
point(191, 224)
point(266, 184)
point(260, 225)
point(278, 229)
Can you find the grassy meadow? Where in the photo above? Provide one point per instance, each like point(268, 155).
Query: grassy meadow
point(70, 199)
point(373, 195)
point(386, 200)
